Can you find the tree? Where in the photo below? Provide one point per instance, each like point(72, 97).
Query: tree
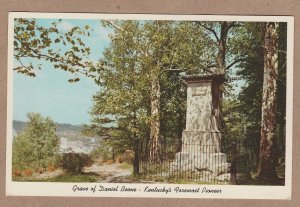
point(37, 145)
point(138, 62)
point(267, 162)
point(65, 50)
point(250, 99)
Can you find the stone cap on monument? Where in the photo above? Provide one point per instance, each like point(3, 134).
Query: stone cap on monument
point(196, 78)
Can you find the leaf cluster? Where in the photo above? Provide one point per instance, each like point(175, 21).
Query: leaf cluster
point(64, 50)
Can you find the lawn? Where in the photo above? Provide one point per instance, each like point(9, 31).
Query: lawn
point(63, 178)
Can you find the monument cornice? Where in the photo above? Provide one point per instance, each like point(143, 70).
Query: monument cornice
point(196, 78)
point(203, 131)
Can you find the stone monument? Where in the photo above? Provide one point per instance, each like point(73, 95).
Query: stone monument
point(201, 140)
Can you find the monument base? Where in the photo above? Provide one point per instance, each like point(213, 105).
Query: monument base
point(210, 166)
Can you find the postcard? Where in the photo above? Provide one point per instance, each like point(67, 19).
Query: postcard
point(166, 106)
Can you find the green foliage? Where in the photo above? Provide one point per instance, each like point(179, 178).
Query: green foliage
point(173, 104)
point(252, 73)
point(242, 112)
point(141, 52)
point(36, 146)
point(104, 151)
point(73, 163)
point(112, 148)
point(234, 121)
point(65, 50)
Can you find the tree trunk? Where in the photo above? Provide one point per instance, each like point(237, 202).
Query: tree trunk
point(155, 117)
point(267, 159)
point(220, 60)
point(221, 67)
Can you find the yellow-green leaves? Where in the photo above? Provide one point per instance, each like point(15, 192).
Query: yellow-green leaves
point(65, 50)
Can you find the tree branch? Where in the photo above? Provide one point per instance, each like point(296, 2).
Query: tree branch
point(235, 62)
point(122, 30)
point(114, 25)
point(282, 51)
point(33, 54)
point(233, 24)
point(212, 31)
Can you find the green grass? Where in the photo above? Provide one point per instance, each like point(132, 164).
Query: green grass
point(79, 178)
point(64, 178)
point(126, 165)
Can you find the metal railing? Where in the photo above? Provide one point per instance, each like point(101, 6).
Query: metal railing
point(193, 162)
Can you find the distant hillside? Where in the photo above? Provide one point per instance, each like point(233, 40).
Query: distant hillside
point(65, 130)
point(68, 127)
point(18, 125)
point(70, 137)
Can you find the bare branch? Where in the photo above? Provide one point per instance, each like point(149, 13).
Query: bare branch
point(212, 31)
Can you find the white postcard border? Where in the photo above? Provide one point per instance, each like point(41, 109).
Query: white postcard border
point(227, 191)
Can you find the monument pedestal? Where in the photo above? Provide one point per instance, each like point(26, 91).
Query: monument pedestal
point(201, 140)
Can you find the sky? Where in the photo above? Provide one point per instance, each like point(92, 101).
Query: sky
point(50, 93)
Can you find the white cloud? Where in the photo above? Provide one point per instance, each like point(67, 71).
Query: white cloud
point(64, 26)
point(103, 33)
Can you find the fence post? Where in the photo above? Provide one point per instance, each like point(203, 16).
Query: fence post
point(136, 163)
point(233, 164)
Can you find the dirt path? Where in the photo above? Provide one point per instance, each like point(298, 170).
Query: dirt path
point(110, 173)
point(105, 172)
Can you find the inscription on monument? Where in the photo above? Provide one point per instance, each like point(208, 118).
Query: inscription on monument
point(197, 91)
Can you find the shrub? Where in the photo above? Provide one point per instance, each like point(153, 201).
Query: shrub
point(73, 163)
point(88, 161)
point(37, 145)
point(104, 151)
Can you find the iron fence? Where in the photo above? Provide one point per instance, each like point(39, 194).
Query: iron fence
point(194, 162)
